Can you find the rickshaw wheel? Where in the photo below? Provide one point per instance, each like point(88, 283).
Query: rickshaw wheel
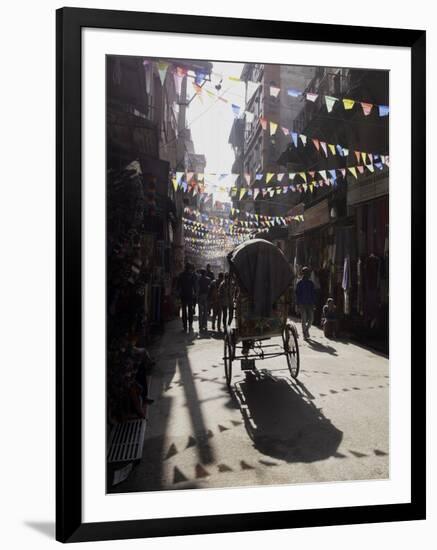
point(227, 358)
point(291, 349)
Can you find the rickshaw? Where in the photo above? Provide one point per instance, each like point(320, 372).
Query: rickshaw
point(260, 280)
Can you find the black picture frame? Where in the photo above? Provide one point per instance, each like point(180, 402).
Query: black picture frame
point(69, 525)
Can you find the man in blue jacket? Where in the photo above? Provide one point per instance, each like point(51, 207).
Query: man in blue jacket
point(306, 300)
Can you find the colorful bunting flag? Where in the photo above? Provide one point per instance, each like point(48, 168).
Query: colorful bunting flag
point(383, 110)
point(293, 93)
point(269, 176)
point(348, 104)
point(273, 128)
point(330, 102)
point(353, 171)
point(274, 91)
point(294, 138)
point(263, 122)
point(312, 97)
point(316, 144)
point(325, 150)
point(331, 148)
point(367, 108)
point(303, 138)
point(162, 70)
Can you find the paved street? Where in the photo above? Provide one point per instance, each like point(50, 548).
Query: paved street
point(332, 424)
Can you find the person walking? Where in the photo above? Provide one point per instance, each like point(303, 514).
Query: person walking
point(209, 272)
point(225, 300)
point(188, 289)
point(306, 300)
point(203, 290)
point(214, 301)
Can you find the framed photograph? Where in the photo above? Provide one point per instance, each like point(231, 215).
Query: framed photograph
point(240, 275)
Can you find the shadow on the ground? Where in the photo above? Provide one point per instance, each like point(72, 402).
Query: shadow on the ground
point(283, 422)
point(148, 474)
point(318, 346)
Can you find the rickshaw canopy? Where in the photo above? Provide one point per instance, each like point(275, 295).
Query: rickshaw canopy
point(262, 271)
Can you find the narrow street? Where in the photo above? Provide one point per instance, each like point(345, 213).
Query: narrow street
point(329, 425)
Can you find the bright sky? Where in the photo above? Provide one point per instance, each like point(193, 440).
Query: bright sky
point(211, 121)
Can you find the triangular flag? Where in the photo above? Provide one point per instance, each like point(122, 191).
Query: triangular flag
point(269, 176)
point(258, 177)
point(175, 183)
point(370, 167)
point(247, 178)
point(360, 169)
point(274, 91)
point(303, 138)
point(323, 144)
point(331, 148)
point(383, 110)
point(357, 154)
point(178, 77)
point(312, 97)
point(345, 152)
point(273, 128)
point(294, 138)
point(367, 108)
point(179, 176)
point(343, 172)
point(363, 156)
point(162, 70)
point(370, 157)
point(293, 93)
point(353, 171)
point(242, 192)
point(280, 176)
point(286, 131)
point(348, 103)
point(303, 176)
point(339, 149)
point(235, 110)
point(330, 102)
point(189, 176)
point(333, 174)
point(263, 122)
point(316, 144)
point(291, 175)
point(255, 192)
point(323, 174)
